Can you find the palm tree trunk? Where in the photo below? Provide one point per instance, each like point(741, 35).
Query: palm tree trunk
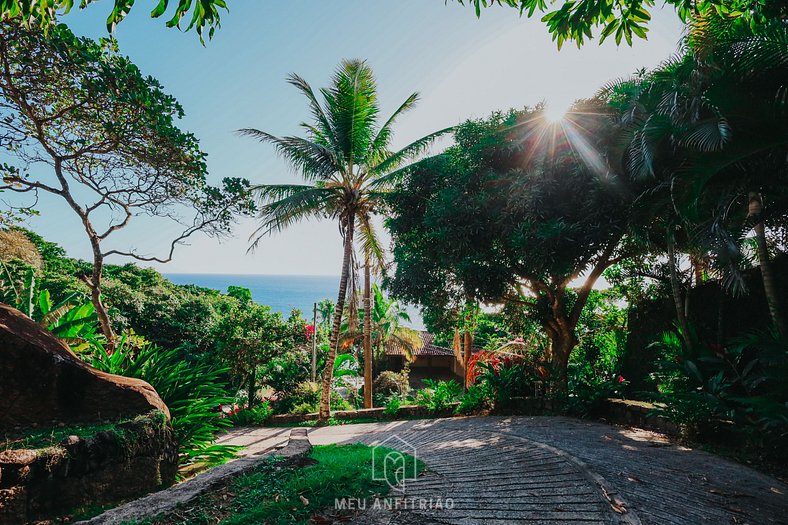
point(367, 336)
point(675, 285)
point(767, 273)
point(468, 345)
point(328, 372)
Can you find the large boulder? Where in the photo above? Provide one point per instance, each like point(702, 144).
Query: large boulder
point(42, 381)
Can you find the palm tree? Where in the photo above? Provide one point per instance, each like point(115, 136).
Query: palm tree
point(710, 126)
point(347, 165)
point(386, 318)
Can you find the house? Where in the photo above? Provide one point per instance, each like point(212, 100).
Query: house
point(431, 361)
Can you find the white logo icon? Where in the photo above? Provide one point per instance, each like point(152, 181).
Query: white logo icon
point(390, 465)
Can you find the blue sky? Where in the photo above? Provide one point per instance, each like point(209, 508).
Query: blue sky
point(463, 67)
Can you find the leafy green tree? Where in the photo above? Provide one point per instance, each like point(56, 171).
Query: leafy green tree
point(576, 20)
point(109, 137)
point(204, 13)
point(250, 335)
point(346, 161)
point(514, 212)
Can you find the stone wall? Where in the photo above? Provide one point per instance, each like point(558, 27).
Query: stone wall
point(128, 460)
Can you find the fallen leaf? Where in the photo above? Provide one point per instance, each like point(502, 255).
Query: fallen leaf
point(304, 500)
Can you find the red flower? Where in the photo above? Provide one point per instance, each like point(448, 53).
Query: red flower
point(620, 379)
point(309, 329)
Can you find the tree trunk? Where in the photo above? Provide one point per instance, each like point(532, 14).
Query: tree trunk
point(562, 342)
point(767, 273)
point(676, 287)
point(95, 296)
point(252, 382)
point(367, 336)
point(328, 372)
point(467, 349)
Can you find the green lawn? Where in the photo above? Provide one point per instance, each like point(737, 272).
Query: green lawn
point(280, 492)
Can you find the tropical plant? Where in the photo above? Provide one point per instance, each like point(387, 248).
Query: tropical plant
point(257, 415)
point(192, 390)
point(345, 159)
point(476, 398)
point(438, 395)
point(109, 135)
point(576, 20)
point(204, 14)
point(73, 319)
point(741, 381)
point(708, 127)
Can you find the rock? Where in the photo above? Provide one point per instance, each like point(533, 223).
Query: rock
point(13, 503)
point(41, 379)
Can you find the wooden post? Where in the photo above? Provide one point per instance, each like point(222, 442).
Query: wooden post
point(314, 343)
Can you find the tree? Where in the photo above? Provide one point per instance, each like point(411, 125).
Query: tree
point(87, 127)
point(514, 212)
point(205, 13)
point(709, 128)
point(250, 335)
point(575, 20)
point(345, 159)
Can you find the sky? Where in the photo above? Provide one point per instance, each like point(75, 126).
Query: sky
point(463, 67)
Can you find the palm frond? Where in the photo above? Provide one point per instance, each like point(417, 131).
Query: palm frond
point(409, 152)
point(314, 161)
point(282, 205)
point(383, 138)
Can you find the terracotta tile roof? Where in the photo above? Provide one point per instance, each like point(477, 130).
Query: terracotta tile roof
point(427, 349)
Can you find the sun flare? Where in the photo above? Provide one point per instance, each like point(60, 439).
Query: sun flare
point(556, 111)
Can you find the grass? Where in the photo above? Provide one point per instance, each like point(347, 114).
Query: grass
point(51, 436)
point(282, 492)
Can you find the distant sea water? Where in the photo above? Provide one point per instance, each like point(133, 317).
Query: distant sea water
point(281, 292)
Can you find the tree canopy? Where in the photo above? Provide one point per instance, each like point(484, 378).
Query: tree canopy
point(578, 20)
point(205, 14)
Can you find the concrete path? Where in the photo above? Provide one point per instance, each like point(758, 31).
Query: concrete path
point(553, 470)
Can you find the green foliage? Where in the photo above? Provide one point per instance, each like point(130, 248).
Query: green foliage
point(392, 406)
point(192, 390)
point(594, 366)
point(390, 384)
point(505, 380)
point(476, 399)
point(257, 415)
point(438, 395)
point(742, 381)
point(72, 319)
point(204, 14)
point(578, 20)
point(286, 493)
point(306, 393)
point(250, 335)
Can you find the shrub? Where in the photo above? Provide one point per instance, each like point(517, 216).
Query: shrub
point(392, 407)
point(476, 399)
point(192, 390)
point(255, 416)
point(438, 395)
point(390, 383)
point(304, 393)
point(304, 408)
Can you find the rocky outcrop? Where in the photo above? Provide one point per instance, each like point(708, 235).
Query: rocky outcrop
point(130, 459)
point(42, 382)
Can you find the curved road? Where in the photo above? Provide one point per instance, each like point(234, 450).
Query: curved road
point(554, 470)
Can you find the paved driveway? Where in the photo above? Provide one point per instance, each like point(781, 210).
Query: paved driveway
point(554, 470)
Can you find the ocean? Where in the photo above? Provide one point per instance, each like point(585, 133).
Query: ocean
point(281, 292)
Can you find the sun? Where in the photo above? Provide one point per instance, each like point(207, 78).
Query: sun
point(556, 111)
